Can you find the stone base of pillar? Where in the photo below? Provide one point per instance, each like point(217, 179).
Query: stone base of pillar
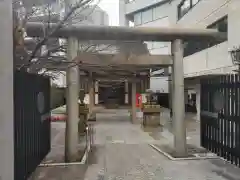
point(136, 121)
point(152, 121)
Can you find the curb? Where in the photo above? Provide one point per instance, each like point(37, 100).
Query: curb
point(82, 162)
point(179, 159)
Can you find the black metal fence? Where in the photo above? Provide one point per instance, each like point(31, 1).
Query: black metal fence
point(31, 127)
point(220, 116)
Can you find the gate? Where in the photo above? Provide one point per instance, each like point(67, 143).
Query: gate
point(31, 127)
point(220, 116)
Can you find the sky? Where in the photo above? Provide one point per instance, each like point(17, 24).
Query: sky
point(111, 7)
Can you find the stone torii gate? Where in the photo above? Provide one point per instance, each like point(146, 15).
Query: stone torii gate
point(174, 35)
point(171, 34)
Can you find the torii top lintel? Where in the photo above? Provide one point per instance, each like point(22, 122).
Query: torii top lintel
point(90, 32)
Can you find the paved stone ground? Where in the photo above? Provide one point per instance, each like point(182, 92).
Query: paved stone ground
point(122, 152)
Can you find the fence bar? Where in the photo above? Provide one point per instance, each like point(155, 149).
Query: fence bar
point(220, 128)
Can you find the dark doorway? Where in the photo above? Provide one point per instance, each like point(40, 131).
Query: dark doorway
point(111, 93)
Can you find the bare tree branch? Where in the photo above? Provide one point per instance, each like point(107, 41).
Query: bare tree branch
point(81, 3)
point(36, 62)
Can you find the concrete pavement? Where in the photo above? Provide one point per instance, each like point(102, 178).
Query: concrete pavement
point(122, 151)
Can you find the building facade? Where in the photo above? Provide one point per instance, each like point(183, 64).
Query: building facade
point(200, 59)
point(93, 15)
point(151, 14)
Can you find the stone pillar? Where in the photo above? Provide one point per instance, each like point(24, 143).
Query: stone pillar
point(6, 98)
point(96, 92)
point(171, 92)
point(178, 99)
point(72, 96)
point(141, 86)
point(198, 101)
point(126, 92)
point(146, 83)
point(134, 109)
point(91, 95)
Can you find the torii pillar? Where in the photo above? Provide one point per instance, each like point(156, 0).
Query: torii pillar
point(91, 86)
point(178, 99)
point(7, 89)
point(72, 96)
point(134, 108)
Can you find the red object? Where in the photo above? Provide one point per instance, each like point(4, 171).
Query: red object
point(58, 118)
point(138, 100)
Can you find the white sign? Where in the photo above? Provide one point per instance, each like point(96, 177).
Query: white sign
point(144, 98)
point(86, 99)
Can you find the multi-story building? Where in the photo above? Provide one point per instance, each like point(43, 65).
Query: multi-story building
point(92, 15)
point(200, 59)
point(152, 14)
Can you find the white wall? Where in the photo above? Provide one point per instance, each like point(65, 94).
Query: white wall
point(209, 61)
point(234, 24)
point(204, 13)
point(214, 60)
point(155, 17)
point(158, 47)
point(99, 17)
point(159, 84)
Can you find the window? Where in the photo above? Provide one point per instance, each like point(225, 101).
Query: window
point(192, 47)
point(221, 25)
point(157, 12)
point(185, 6)
point(138, 19)
point(143, 17)
point(147, 16)
point(195, 2)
